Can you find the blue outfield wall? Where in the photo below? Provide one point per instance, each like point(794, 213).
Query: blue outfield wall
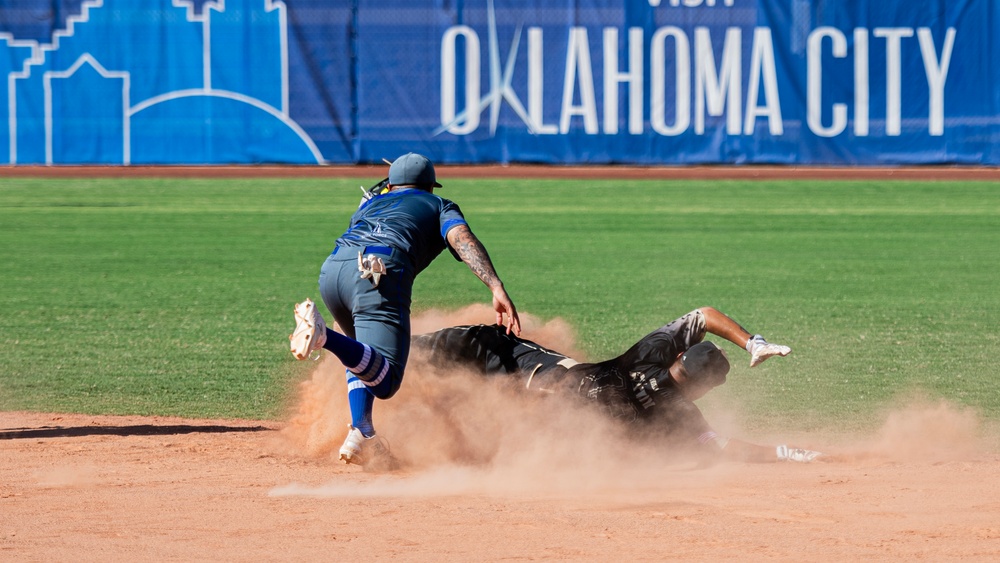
point(865, 82)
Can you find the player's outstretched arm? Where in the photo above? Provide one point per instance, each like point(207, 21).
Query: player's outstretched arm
point(474, 254)
point(719, 324)
point(738, 450)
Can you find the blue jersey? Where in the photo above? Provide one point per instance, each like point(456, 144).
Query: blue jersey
point(411, 220)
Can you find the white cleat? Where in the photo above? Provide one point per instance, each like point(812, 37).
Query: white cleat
point(761, 350)
point(798, 455)
point(372, 452)
point(310, 330)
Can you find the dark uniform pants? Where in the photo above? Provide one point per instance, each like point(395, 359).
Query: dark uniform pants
point(491, 351)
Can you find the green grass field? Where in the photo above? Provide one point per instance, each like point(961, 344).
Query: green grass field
point(173, 297)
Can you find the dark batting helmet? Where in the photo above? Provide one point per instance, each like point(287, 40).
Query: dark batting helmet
point(705, 364)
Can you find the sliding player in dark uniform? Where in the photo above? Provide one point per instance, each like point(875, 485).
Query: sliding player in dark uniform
point(656, 381)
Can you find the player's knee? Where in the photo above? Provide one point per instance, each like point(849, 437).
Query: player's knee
point(388, 386)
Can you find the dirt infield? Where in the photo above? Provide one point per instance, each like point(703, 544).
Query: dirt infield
point(100, 488)
point(489, 474)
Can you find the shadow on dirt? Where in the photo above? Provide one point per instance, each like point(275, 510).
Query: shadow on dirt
point(133, 430)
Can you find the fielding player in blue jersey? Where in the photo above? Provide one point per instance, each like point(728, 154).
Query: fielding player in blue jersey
point(655, 382)
point(399, 228)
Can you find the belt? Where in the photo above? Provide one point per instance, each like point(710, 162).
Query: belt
point(384, 250)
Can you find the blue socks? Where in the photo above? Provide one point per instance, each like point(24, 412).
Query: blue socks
point(348, 350)
point(361, 401)
point(366, 377)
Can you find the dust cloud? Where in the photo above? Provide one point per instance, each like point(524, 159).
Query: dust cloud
point(457, 432)
point(922, 430)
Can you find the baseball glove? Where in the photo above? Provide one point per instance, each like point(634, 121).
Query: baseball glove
point(378, 189)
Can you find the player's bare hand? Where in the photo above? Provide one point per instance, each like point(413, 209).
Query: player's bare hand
point(505, 307)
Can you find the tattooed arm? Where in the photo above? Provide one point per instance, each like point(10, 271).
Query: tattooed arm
point(474, 254)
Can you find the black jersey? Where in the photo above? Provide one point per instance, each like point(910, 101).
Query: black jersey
point(631, 387)
point(637, 384)
point(640, 378)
